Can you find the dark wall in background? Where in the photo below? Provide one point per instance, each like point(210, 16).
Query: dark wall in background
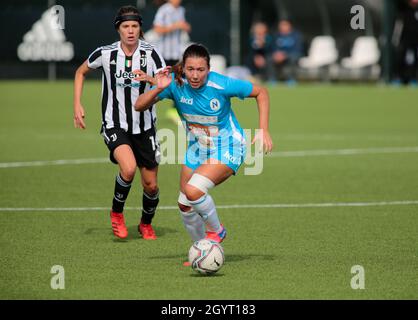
point(89, 25)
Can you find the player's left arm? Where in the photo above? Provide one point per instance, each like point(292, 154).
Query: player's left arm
point(263, 103)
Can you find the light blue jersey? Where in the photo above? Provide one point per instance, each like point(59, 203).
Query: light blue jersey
point(212, 128)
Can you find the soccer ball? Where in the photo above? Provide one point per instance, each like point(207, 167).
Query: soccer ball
point(206, 257)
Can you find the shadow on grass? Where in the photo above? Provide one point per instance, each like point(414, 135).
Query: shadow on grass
point(212, 275)
point(229, 258)
point(235, 258)
point(242, 257)
point(94, 232)
point(133, 233)
point(179, 257)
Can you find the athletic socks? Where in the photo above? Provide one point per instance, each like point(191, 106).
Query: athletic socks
point(205, 207)
point(122, 188)
point(149, 205)
point(149, 202)
point(194, 224)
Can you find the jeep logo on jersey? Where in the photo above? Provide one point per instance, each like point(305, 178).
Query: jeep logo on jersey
point(215, 104)
point(125, 75)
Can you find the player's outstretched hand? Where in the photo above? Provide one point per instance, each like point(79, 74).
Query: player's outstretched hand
point(79, 117)
point(265, 138)
point(142, 76)
point(164, 78)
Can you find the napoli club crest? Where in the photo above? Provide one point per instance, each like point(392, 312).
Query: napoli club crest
point(215, 104)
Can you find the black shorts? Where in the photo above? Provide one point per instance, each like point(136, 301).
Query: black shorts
point(144, 145)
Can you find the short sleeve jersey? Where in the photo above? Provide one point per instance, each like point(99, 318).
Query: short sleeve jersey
point(207, 110)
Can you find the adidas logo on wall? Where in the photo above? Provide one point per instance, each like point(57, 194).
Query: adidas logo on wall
point(45, 41)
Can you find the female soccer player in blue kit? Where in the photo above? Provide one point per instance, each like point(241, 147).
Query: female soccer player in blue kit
point(216, 142)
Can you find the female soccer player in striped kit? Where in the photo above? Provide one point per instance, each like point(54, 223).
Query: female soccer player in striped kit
point(216, 142)
point(171, 25)
point(129, 135)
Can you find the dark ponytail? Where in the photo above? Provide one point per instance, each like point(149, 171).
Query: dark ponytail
point(178, 73)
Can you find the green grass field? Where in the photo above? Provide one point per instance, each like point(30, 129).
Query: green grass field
point(340, 189)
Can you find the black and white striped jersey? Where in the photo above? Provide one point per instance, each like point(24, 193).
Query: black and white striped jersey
point(119, 92)
point(171, 45)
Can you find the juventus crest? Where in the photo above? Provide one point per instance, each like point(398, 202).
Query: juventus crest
point(143, 59)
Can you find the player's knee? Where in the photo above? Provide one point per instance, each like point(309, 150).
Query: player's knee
point(192, 193)
point(197, 187)
point(184, 204)
point(150, 187)
point(128, 172)
point(184, 208)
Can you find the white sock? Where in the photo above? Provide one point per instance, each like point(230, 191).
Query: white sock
point(205, 207)
point(194, 224)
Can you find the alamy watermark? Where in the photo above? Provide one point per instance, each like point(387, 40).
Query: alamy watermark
point(209, 143)
point(58, 280)
point(358, 281)
point(57, 17)
point(358, 20)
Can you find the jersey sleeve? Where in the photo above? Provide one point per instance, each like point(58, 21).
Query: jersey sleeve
point(182, 13)
point(159, 17)
point(238, 88)
point(166, 94)
point(94, 60)
point(159, 62)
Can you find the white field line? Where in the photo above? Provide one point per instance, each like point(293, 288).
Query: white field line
point(279, 154)
point(343, 137)
point(52, 162)
point(234, 206)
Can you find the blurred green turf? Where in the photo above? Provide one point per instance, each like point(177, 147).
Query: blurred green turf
point(271, 253)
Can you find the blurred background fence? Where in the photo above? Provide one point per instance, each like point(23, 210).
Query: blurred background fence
point(223, 25)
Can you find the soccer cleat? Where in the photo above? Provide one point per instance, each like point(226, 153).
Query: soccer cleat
point(147, 231)
point(118, 225)
point(216, 236)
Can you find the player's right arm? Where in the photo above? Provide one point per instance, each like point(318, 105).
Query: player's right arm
point(149, 98)
point(80, 75)
point(179, 25)
point(160, 26)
